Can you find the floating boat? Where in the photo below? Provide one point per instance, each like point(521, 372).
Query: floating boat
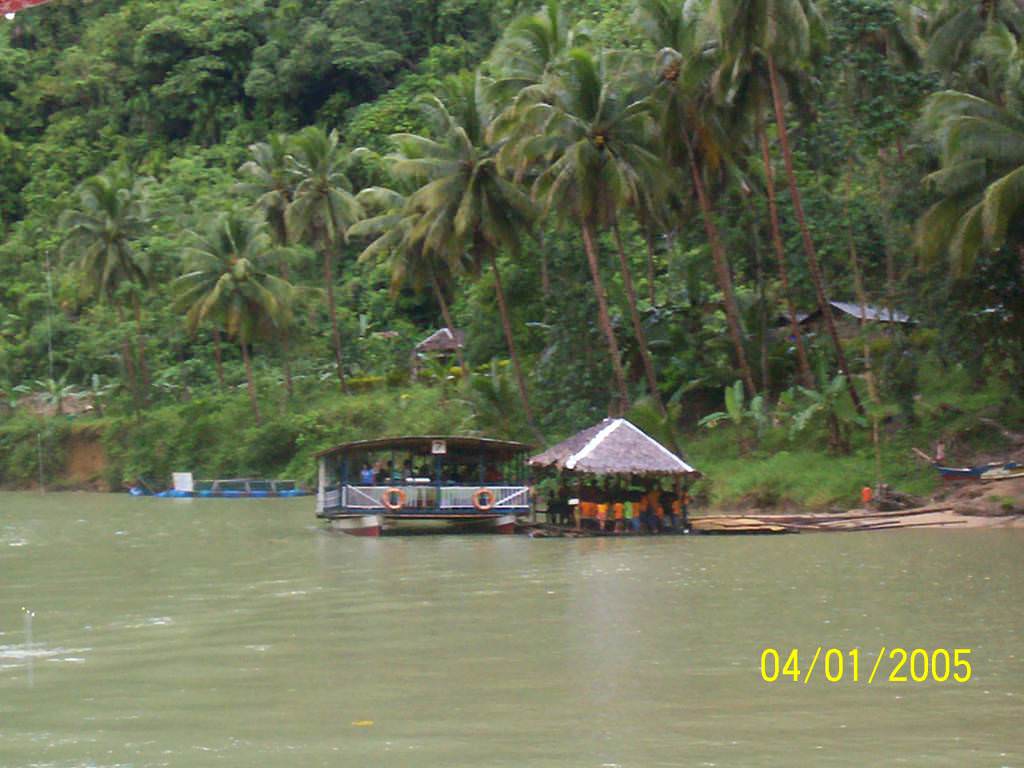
point(423, 483)
point(236, 488)
point(992, 471)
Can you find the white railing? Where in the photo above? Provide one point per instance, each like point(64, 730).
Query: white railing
point(424, 497)
point(505, 497)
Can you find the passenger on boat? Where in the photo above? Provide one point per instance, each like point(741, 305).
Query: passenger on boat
point(366, 475)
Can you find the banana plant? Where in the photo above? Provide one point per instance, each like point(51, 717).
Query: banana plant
point(809, 406)
point(750, 419)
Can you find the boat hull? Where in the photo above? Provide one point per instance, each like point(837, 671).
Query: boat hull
point(379, 524)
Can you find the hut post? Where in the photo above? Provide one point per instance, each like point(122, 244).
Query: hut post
point(321, 482)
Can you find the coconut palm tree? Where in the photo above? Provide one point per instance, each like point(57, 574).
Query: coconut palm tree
point(690, 132)
point(785, 34)
point(464, 203)
point(741, 83)
point(526, 57)
point(408, 263)
point(980, 183)
point(227, 282)
point(595, 156)
point(110, 216)
point(322, 209)
point(953, 31)
point(267, 178)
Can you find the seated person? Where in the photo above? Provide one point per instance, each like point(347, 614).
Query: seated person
point(366, 475)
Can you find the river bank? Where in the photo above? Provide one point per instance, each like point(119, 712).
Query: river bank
point(774, 473)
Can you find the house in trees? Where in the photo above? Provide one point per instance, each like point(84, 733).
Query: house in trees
point(443, 344)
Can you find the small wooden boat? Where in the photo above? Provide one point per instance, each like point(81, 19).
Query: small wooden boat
point(423, 483)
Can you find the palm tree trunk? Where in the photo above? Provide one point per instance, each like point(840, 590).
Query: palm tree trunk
point(140, 343)
point(732, 314)
point(250, 382)
point(650, 268)
point(862, 299)
point(446, 314)
point(506, 324)
point(217, 358)
point(762, 304)
point(332, 311)
point(780, 257)
point(812, 258)
point(590, 246)
point(638, 328)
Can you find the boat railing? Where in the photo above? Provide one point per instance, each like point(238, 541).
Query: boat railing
point(505, 497)
point(371, 497)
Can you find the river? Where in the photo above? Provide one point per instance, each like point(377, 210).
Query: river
point(240, 633)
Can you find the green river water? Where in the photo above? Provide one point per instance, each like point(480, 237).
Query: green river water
point(240, 633)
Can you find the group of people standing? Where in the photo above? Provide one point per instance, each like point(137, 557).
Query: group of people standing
point(643, 507)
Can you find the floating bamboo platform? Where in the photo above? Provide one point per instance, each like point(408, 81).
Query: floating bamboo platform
point(933, 516)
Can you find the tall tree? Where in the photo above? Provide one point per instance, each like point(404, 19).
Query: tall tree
point(267, 178)
point(111, 214)
point(689, 133)
point(226, 281)
point(786, 31)
point(464, 202)
point(980, 183)
point(322, 209)
point(390, 222)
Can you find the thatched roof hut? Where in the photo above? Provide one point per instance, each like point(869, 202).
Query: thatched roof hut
point(613, 447)
point(443, 340)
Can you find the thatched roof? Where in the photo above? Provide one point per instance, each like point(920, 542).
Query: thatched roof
point(613, 447)
point(443, 340)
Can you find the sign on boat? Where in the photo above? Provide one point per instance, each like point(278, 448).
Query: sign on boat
point(417, 482)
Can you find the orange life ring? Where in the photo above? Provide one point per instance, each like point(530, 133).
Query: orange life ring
point(387, 499)
point(478, 499)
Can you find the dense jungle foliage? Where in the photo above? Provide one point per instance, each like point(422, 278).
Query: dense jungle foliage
point(224, 226)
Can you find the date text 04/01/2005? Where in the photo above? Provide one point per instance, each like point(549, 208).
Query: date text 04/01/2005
point(917, 665)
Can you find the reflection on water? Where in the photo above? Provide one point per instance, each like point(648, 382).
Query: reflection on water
point(241, 634)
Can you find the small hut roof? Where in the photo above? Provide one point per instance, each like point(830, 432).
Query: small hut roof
point(443, 340)
point(613, 447)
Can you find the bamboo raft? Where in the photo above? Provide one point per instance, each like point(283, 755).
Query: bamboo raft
point(933, 516)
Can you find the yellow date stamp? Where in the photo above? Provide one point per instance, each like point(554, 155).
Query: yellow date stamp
point(895, 665)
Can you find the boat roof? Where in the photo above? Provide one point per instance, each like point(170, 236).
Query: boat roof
point(425, 443)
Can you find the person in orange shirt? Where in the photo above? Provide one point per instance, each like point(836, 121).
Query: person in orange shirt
point(619, 511)
point(588, 511)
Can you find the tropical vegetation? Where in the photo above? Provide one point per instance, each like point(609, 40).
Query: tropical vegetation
point(635, 206)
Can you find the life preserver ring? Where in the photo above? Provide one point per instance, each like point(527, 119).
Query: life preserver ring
point(480, 503)
point(389, 500)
